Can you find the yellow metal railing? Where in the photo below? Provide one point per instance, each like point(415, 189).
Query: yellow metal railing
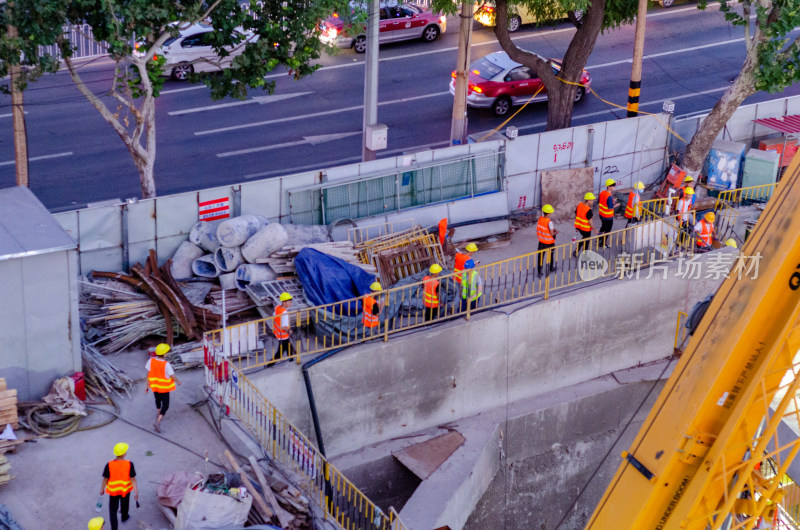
point(322, 328)
point(760, 193)
point(361, 234)
point(655, 208)
point(320, 480)
point(680, 330)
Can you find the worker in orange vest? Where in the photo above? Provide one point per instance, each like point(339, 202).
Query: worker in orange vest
point(161, 380)
point(462, 258)
point(583, 220)
point(430, 297)
point(688, 184)
point(281, 327)
point(705, 231)
point(633, 211)
point(119, 479)
point(372, 309)
point(606, 209)
point(547, 237)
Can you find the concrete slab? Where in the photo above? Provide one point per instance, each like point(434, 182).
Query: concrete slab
point(424, 458)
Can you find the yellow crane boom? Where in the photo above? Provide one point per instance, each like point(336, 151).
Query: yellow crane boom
point(695, 462)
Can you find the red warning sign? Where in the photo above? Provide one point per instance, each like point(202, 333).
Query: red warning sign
point(214, 209)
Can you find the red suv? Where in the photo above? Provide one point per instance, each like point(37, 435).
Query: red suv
point(497, 82)
point(397, 22)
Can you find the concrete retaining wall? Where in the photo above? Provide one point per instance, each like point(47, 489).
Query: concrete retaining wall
point(379, 391)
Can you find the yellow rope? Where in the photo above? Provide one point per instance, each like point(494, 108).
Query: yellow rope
point(667, 127)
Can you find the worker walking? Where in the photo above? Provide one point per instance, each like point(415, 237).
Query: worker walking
point(705, 232)
point(471, 286)
point(161, 380)
point(547, 237)
point(583, 223)
point(461, 259)
point(281, 327)
point(430, 297)
point(606, 209)
point(119, 479)
point(96, 523)
point(633, 210)
point(372, 310)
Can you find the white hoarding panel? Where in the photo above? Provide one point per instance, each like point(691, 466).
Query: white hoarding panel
point(177, 214)
point(262, 197)
point(521, 155)
point(142, 222)
point(555, 149)
point(100, 227)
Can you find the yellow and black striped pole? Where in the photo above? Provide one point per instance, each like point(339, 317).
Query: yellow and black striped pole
point(638, 52)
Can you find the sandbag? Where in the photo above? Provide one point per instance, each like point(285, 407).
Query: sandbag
point(235, 232)
point(206, 511)
point(183, 258)
point(264, 242)
point(204, 235)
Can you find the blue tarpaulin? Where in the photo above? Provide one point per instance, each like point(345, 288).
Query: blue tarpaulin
point(327, 279)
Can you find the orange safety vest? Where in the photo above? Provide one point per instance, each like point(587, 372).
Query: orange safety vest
point(369, 320)
point(706, 234)
point(581, 221)
point(157, 376)
point(632, 207)
point(442, 231)
point(684, 205)
point(605, 211)
point(280, 333)
point(431, 297)
point(543, 231)
point(119, 478)
point(458, 266)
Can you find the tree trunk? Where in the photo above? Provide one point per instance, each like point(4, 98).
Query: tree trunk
point(700, 145)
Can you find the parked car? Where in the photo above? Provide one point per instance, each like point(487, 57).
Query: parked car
point(517, 15)
point(191, 51)
point(498, 83)
point(397, 22)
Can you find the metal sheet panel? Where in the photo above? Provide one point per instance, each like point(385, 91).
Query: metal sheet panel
point(142, 222)
point(787, 124)
point(26, 227)
point(263, 198)
point(519, 154)
point(100, 227)
point(555, 149)
point(177, 214)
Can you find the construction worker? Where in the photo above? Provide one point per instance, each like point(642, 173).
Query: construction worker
point(606, 209)
point(731, 243)
point(97, 523)
point(281, 327)
point(583, 223)
point(161, 380)
point(461, 259)
point(372, 309)
point(685, 213)
point(430, 297)
point(547, 237)
point(633, 211)
point(705, 231)
point(119, 479)
point(688, 184)
point(471, 286)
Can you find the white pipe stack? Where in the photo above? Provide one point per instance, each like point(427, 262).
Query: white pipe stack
point(247, 273)
point(235, 232)
point(227, 281)
point(182, 260)
point(204, 235)
point(264, 242)
point(228, 258)
point(205, 267)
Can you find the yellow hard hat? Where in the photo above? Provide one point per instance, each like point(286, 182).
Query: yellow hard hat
point(376, 286)
point(589, 197)
point(162, 349)
point(611, 182)
point(710, 217)
point(640, 185)
point(472, 247)
point(120, 449)
point(96, 523)
point(285, 297)
point(689, 178)
point(548, 209)
point(731, 243)
point(435, 268)
point(688, 191)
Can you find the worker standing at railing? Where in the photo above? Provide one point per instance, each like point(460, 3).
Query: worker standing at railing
point(281, 327)
point(547, 237)
point(685, 213)
point(462, 258)
point(372, 310)
point(606, 206)
point(583, 220)
point(430, 297)
point(471, 286)
point(633, 210)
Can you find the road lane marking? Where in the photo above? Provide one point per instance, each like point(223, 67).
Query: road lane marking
point(316, 114)
point(662, 54)
point(261, 100)
point(35, 158)
point(175, 90)
point(307, 140)
point(11, 114)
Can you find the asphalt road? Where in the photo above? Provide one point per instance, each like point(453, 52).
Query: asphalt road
point(691, 56)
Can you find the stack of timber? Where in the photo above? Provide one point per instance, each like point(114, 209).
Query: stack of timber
point(282, 261)
point(8, 406)
point(275, 501)
point(101, 376)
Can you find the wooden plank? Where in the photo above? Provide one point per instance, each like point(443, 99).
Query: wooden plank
point(8, 393)
point(283, 516)
point(2, 383)
point(261, 505)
